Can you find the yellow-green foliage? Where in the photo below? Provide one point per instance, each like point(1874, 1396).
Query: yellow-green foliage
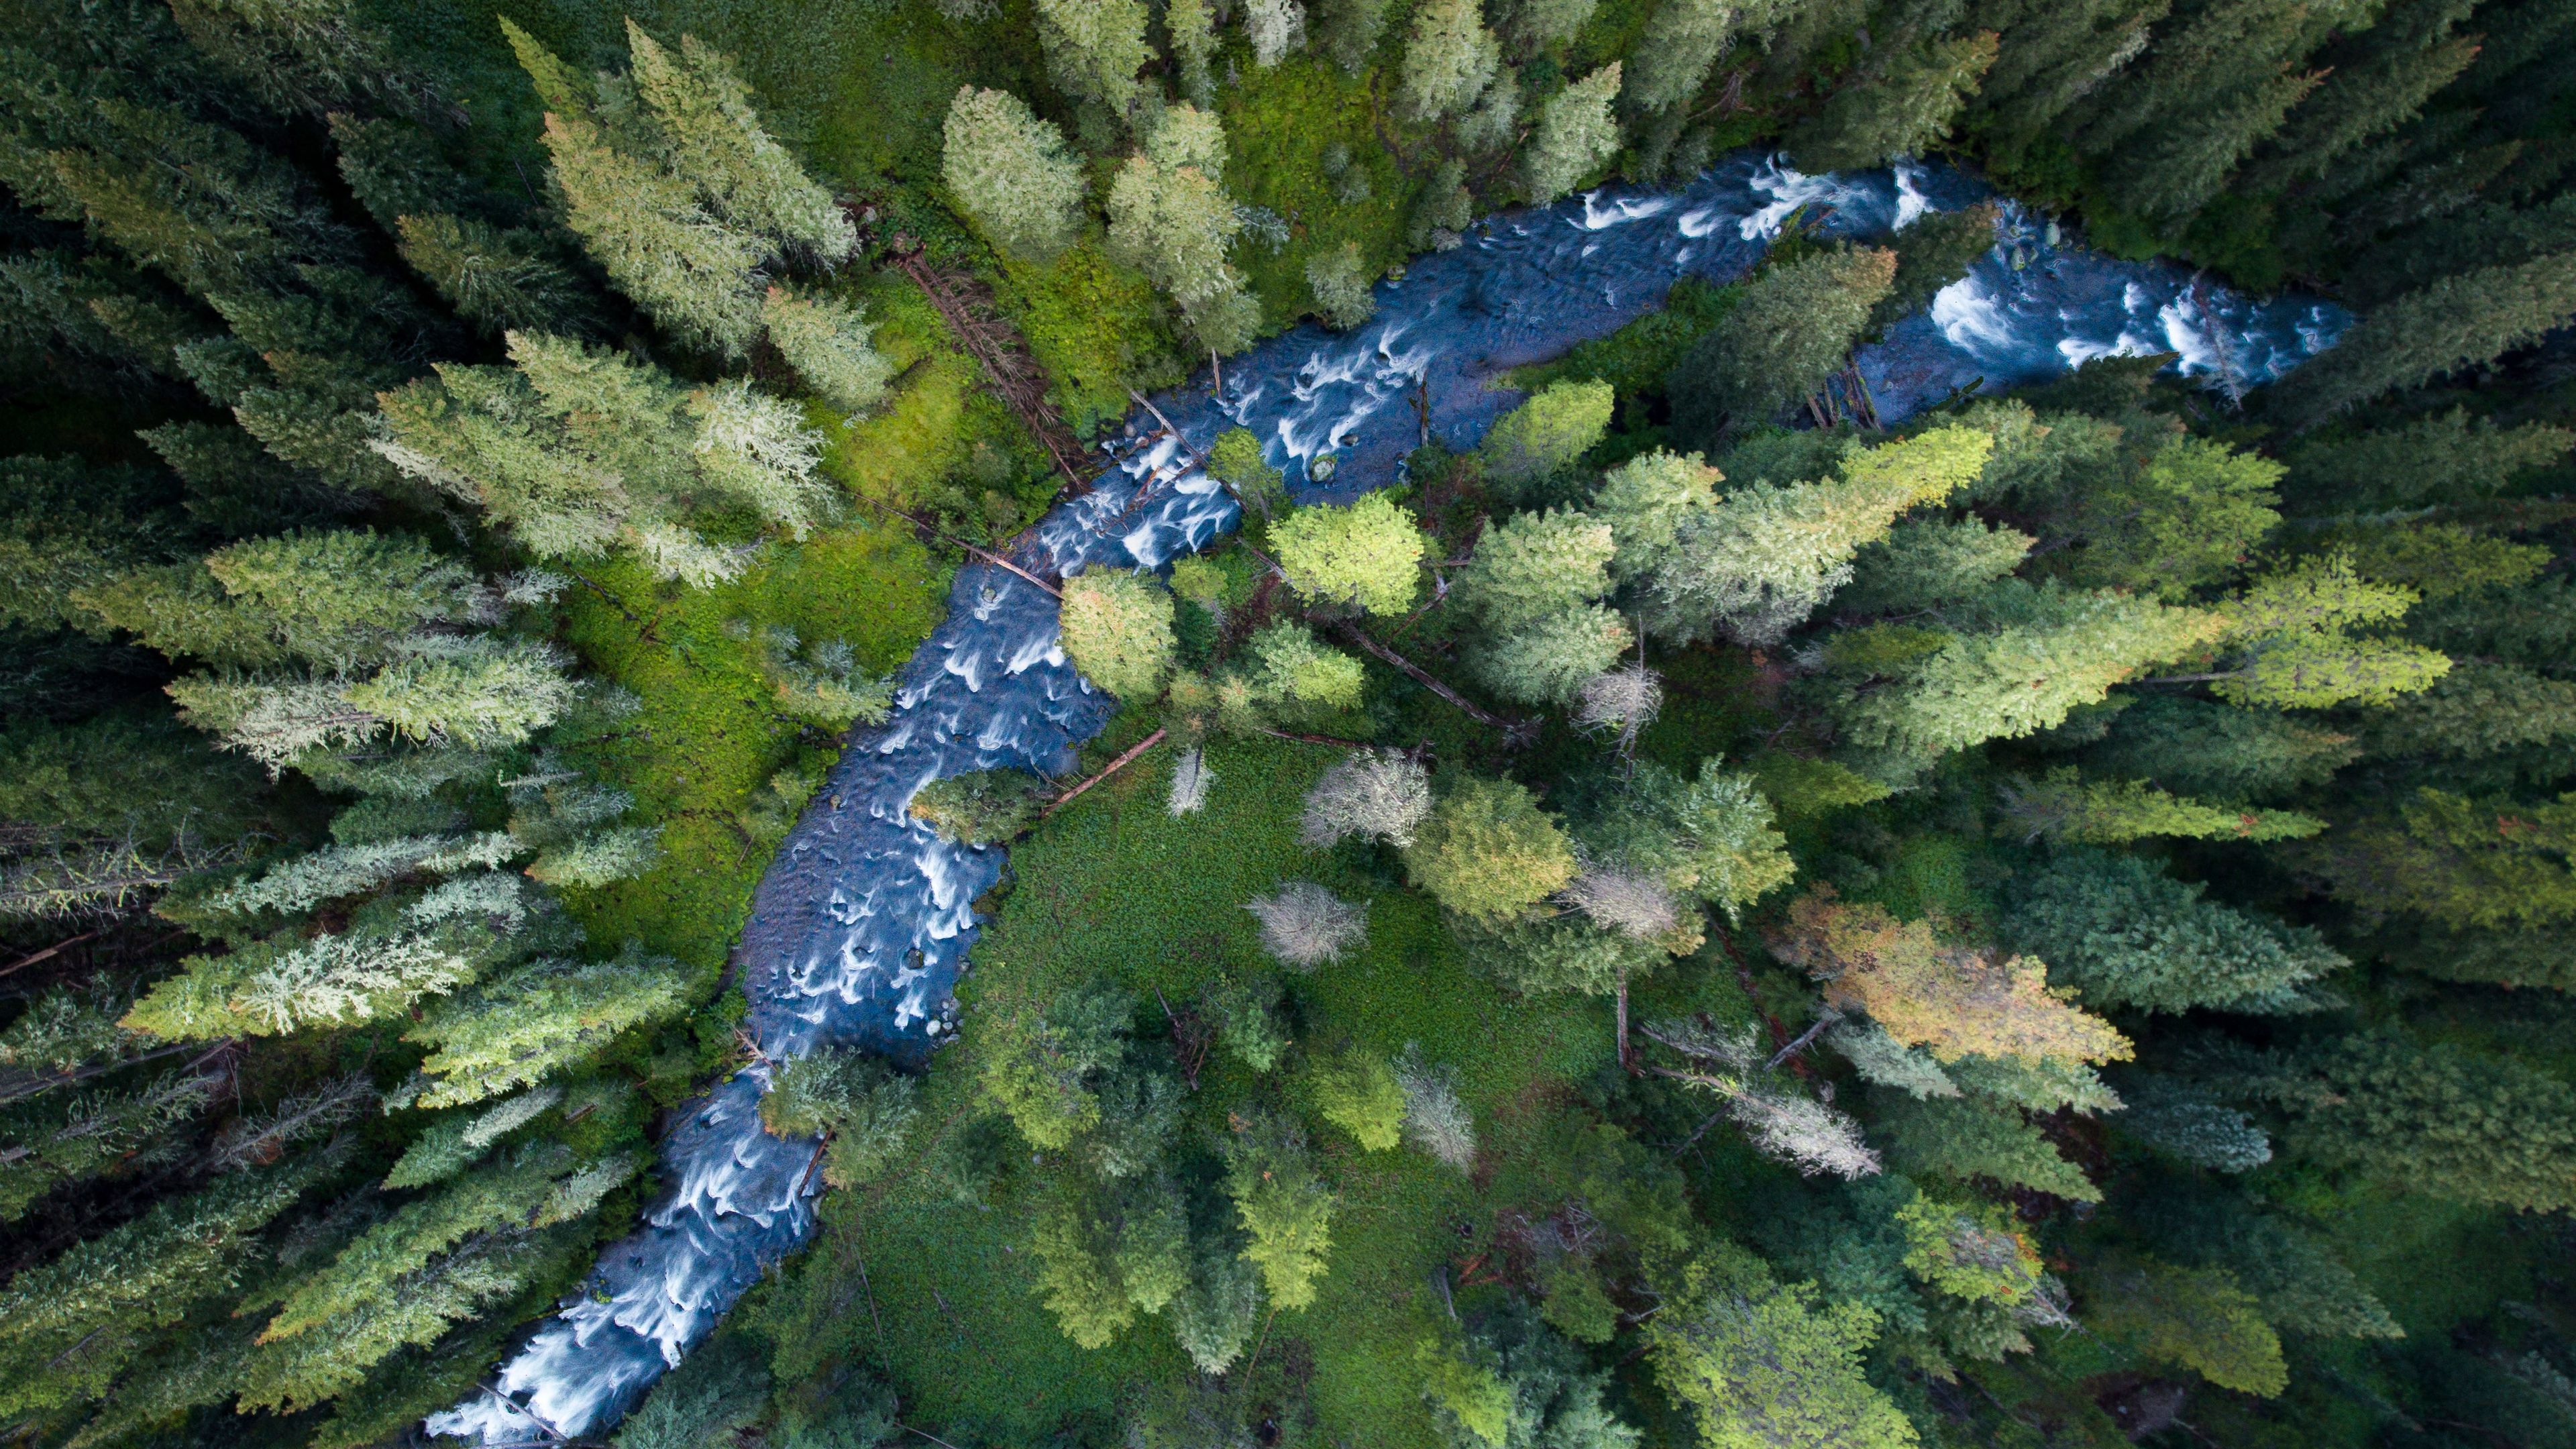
point(2199, 1318)
point(1096, 327)
point(1368, 554)
point(1118, 630)
point(1471, 1393)
point(1114, 889)
point(1488, 852)
point(1357, 1092)
point(1968, 1250)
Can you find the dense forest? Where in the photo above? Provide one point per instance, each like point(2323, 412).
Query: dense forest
point(1691, 920)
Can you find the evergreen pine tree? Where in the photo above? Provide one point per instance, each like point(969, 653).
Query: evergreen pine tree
point(1340, 280)
point(2041, 653)
point(1488, 852)
point(826, 340)
point(1576, 134)
point(1545, 435)
point(1352, 29)
point(1765, 558)
point(1898, 111)
point(1367, 554)
point(1935, 251)
point(1192, 26)
point(1170, 218)
point(1649, 502)
point(2447, 456)
point(1793, 327)
point(2460, 321)
point(1009, 171)
point(1682, 40)
point(1449, 59)
point(1759, 1362)
point(2052, 52)
point(1118, 632)
point(2127, 935)
point(499, 280)
point(2436, 1120)
point(1536, 26)
point(1094, 49)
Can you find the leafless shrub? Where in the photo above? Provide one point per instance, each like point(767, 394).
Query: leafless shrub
point(1306, 925)
point(1619, 701)
point(1376, 793)
point(1624, 900)
point(1434, 1119)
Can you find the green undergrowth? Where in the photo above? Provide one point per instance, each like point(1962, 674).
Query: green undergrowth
point(943, 441)
point(1096, 327)
point(1116, 889)
point(1278, 125)
point(709, 756)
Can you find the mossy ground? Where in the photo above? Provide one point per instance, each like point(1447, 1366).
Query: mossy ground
point(1116, 889)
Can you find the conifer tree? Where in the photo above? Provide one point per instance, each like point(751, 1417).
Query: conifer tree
point(2097, 812)
point(1170, 218)
point(1545, 435)
point(1488, 852)
point(1009, 171)
point(677, 189)
point(1765, 558)
point(2378, 85)
point(1535, 26)
point(1366, 555)
point(2042, 653)
point(539, 1020)
point(498, 279)
point(1283, 1204)
point(2436, 1120)
point(2298, 648)
point(1340, 280)
point(2127, 935)
point(1532, 566)
point(1352, 29)
point(75, 1322)
point(2202, 748)
point(1955, 1001)
point(1791, 329)
point(2456, 322)
point(1094, 49)
point(1759, 1362)
point(1118, 631)
point(1277, 28)
point(826, 340)
point(578, 449)
point(2450, 455)
point(1449, 59)
point(1576, 134)
point(1649, 502)
point(1192, 26)
point(1682, 40)
point(1900, 111)
point(2052, 52)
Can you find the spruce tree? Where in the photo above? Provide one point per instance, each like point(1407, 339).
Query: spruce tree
point(826, 340)
point(1449, 59)
point(1576, 134)
point(1682, 40)
point(1010, 173)
point(1170, 218)
point(2462, 321)
point(1488, 852)
point(1793, 327)
point(1765, 558)
point(2051, 53)
point(1094, 49)
point(1545, 435)
point(2447, 456)
point(1649, 502)
point(1759, 1362)
point(1935, 251)
point(1352, 29)
point(1192, 26)
point(2437, 1120)
point(2127, 935)
point(1118, 631)
point(1340, 280)
point(1366, 555)
point(1898, 111)
point(2038, 654)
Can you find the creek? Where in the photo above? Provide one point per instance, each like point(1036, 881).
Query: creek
point(860, 929)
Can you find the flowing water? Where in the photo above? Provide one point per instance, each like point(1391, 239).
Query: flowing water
point(859, 930)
